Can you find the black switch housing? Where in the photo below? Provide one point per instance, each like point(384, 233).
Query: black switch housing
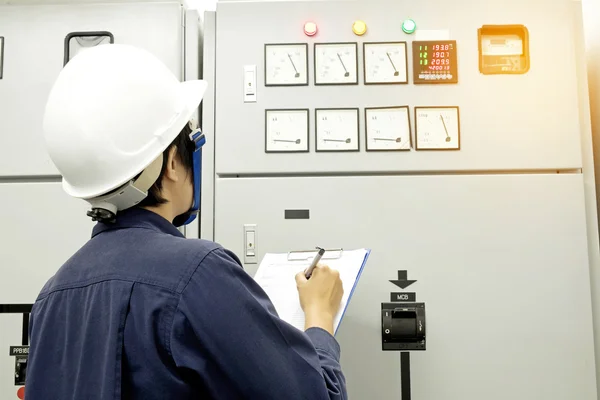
point(403, 326)
point(20, 370)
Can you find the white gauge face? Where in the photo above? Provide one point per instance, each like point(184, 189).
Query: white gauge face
point(336, 64)
point(385, 63)
point(437, 128)
point(286, 131)
point(337, 130)
point(286, 64)
point(388, 129)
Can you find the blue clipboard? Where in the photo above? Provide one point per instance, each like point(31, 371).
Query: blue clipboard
point(330, 254)
point(368, 253)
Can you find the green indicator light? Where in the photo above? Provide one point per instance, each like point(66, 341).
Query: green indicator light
point(409, 26)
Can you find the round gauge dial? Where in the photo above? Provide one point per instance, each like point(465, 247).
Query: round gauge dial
point(286, 64)
point(387, 129)
point(385, 63)
point(337, 129)
point(437, 128)
point(286, 131)
point(336, 64)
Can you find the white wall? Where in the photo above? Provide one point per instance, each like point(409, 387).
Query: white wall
point(591, 15)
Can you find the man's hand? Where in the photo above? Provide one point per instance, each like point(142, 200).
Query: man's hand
point(320, 297)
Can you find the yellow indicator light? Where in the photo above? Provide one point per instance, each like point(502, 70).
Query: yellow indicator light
point(359, 28)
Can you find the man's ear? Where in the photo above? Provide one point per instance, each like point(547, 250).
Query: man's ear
point(172, 164)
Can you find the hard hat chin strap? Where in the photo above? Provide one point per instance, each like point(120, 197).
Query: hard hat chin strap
point(105, 208)
point(199, 140)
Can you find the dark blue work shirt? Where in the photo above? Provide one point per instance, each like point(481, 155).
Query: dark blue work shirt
point(141, 312)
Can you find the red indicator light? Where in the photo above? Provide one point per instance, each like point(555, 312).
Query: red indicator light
point(21, 393)
point(310, 29)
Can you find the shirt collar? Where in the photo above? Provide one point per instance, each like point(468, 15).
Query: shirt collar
point(138, 218)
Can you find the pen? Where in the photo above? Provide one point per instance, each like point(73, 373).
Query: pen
point(309, 270)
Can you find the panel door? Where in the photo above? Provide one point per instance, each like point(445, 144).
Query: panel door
point(41, 228)
point(10, 335)
point(518, 122)
point(34, 44)
point(500, 261)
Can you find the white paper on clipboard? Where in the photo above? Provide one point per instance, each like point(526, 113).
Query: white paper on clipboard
point(277, 277)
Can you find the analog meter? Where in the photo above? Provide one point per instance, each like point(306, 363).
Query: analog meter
point(437, 128)
point(286, 131)
point(387, 129)
point(385, 63)
point(286, 64)
point(337, 129)
point(336, 64)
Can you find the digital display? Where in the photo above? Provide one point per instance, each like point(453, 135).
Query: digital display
point(503, 49)
point(435, 62)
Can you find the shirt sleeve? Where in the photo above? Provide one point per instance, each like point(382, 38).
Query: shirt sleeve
point(227, 334)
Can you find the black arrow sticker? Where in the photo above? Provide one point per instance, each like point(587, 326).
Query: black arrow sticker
point(402, 281)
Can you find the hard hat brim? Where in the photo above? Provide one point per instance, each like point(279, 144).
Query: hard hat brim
point(192, 93)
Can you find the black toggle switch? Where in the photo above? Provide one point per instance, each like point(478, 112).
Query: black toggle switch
point(403, 326)
point(20, 370)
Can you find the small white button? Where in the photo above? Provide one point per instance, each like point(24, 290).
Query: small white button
point(250, 83)
point(250, 243)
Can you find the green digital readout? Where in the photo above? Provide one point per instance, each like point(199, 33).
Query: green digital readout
point(423, 60)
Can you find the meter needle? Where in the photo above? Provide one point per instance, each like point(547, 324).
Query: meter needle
point(448, 138)
point(297, 141)
point(340, 58)
point(294, 65)
point(397, 140)
point(396, 73)
point(337, 140)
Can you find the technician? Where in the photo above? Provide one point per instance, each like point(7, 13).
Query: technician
point(141, 312)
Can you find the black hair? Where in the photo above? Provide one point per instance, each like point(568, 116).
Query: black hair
point(184, 152)
point(185, 149)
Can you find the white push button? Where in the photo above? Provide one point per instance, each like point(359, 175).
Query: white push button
point(250, 244)
point(250, 84)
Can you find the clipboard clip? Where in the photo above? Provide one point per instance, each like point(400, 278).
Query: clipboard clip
point(303, 255)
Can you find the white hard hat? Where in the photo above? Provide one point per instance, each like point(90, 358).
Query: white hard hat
point(110, 115)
